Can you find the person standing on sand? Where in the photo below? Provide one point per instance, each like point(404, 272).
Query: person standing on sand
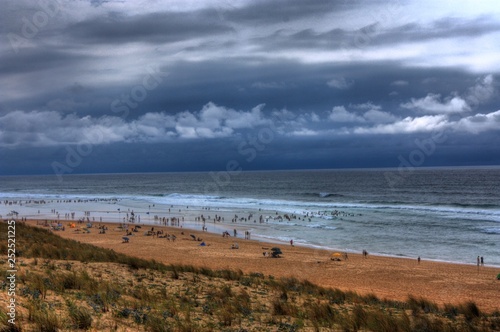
point(478, 260)
point(291, 243)
point(418, 259)
point(482, 261)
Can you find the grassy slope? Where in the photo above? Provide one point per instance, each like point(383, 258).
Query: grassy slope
point(66, 285)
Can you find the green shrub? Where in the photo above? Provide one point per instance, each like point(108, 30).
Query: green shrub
point(359, 317)
point(44, 320)
point(379, 320)
point(11, 328)
point(230, 274)
point(322, 314)
point(243, 303)
point(423, 323)
point(69, 281)
point(469, 310)
point(451, 311)
point(80, 317)
point(421, 304)
point(157, 324)
point(281, 308)
point(5, 326)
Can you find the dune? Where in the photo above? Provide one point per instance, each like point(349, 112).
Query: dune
point(386, 277)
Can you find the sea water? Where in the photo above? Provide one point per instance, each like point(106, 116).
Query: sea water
point(445, 214)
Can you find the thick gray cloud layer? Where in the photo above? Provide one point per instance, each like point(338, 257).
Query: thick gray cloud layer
point(315, 76)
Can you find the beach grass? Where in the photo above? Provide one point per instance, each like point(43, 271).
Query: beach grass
point(66, 285)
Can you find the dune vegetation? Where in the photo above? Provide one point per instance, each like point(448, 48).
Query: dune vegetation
point(64, 285)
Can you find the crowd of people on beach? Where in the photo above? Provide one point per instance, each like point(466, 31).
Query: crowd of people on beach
point(174, 217)
point(65, 201)
point(173, 220)
point(178, 219)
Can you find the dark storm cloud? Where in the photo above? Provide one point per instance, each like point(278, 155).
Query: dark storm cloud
point(374, 35)
point(39, 59)
point(265, 12)
point(438, 30)
point(306, 39)
point(98, 3)
point(306, 86)
point(166, 27)
point(335, 83)
point(455, 113)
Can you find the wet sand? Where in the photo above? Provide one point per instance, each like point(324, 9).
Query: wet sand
point(386, 277)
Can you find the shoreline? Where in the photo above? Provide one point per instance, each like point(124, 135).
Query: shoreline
point(194, 226)
point(384, 233)
point(387, 277)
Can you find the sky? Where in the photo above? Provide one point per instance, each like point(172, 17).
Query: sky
point(217, 85)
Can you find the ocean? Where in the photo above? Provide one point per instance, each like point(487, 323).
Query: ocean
point(442, 214)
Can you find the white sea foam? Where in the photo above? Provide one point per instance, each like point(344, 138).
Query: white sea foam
point(284, 206)
point(491, 230)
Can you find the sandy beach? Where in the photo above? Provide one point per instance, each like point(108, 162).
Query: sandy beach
point(386, 277)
